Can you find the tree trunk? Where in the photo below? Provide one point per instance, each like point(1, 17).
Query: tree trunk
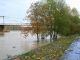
point(37, 38)
point(37, 33)
point(50, 37)
point(55, 36)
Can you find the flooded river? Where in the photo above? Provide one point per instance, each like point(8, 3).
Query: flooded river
point(13, 43)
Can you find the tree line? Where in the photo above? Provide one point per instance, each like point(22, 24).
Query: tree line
point(12, 27)
point(52, 17)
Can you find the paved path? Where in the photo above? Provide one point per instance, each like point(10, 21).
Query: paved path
point(73, 52)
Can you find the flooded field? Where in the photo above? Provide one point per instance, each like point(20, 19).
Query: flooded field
point(13, 43)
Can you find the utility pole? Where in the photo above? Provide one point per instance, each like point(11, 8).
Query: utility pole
point(3, 18)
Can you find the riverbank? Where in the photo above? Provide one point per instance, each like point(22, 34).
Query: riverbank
point(51, 51)
point(1, 33)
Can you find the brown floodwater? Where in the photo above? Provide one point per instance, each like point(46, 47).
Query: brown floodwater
point(13, 43)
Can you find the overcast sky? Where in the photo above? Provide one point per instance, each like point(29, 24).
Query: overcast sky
point(15, 10)
point(74, 3)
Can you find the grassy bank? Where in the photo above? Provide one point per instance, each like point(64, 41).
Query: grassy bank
point(51, 51)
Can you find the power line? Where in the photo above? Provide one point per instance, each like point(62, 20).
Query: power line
point(13, 17)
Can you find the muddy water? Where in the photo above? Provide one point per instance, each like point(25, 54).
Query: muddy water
point(13, 43)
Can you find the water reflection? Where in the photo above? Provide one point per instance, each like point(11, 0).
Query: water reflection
point(40, 43)
point(12, 43)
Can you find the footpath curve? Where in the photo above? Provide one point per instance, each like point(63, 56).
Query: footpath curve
point(73, 51)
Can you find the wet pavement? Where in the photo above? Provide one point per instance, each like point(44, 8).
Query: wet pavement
point(73, 51)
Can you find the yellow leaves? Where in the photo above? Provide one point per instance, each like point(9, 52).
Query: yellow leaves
point(38, 58)
point(63, 56)
point(51, 50)
point(55, 59)
point(26, 56)
point(54, 51)
point(16, 59)
point(34, 56)
point(43, 58)
point(61, 52)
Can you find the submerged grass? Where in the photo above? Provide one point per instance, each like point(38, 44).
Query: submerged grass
point(52, 51)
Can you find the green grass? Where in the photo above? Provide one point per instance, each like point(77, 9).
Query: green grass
point(51, 51)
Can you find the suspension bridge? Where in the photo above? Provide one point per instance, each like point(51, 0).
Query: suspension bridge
point(10, 21)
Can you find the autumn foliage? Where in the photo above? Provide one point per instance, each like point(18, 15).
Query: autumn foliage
point(48, 17)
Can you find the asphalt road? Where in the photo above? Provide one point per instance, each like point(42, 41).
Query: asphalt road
point(73, 51)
